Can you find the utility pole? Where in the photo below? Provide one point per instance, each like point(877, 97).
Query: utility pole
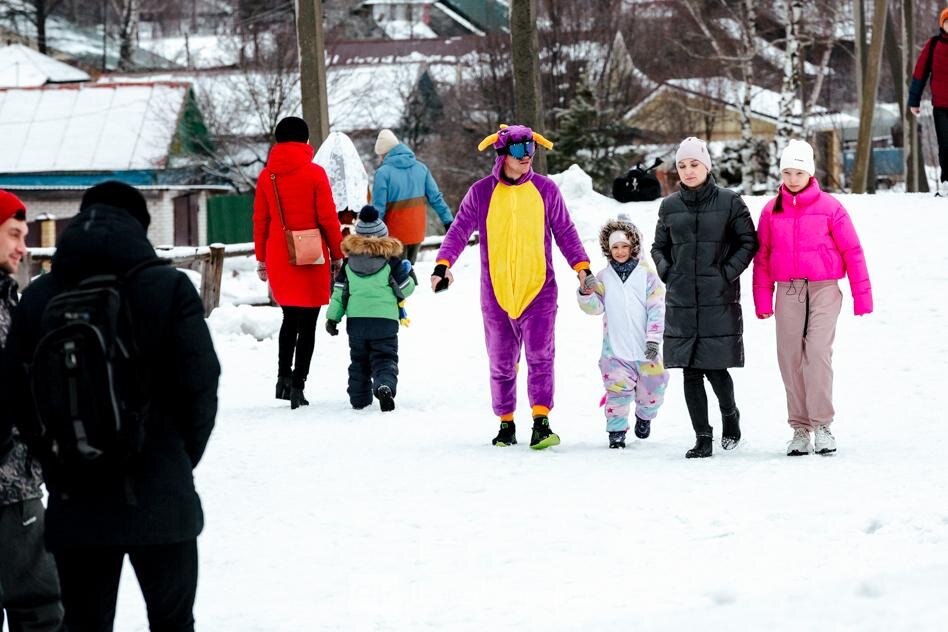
point(525, 47)
point(870, 86)
point(312, 51)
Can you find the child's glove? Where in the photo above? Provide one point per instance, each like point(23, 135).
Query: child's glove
point(588, 283)
point(403, 270)
point(262, 271)
point(651, 350)
point(331, 327)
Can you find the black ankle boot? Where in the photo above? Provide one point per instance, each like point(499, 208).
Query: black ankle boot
point(386, 398)
point(283, 387)
point(731, 434)
point(296, 398)
point(702, 447)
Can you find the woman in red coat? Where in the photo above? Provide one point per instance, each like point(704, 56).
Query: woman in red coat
point(300, 290)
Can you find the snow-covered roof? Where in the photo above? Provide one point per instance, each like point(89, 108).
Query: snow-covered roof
point(406, 29)
point(197, 51)
point(22, 67)
point(765, 103)
point(89, 127)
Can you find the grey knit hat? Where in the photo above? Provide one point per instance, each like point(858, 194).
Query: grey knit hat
point(369, 224)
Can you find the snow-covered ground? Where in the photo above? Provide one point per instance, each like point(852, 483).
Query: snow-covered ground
point(325, 518)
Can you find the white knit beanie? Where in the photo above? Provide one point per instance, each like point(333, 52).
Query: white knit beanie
point(619, 237)
point(385, 142)
point(694, 148)
point(798, 155)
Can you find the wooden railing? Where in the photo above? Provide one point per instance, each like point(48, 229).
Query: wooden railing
point(208, 260)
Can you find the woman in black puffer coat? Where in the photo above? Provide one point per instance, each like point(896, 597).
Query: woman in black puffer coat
point(704, 240)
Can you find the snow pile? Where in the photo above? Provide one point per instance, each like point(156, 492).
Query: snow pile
point(260, 323)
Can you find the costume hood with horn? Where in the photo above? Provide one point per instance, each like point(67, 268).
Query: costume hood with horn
point(517, 220)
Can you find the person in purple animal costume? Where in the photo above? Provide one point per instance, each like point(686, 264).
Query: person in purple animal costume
point(518, 213)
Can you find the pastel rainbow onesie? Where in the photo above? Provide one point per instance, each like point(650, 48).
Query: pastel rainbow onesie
point(517, 223)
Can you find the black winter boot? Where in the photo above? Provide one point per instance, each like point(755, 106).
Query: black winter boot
point(297, 399)
point(617, 439)
point(507, 435)
point(284, 382)
point(731, 435)
point(386, 398)
point(543, 436)
point(643, 428)
point(702, 447)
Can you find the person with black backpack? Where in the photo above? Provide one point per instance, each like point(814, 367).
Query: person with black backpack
point(933, 63)
point(115, 350)
point(29, 587)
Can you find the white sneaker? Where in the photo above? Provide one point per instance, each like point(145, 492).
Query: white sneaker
point(942, 189)
point(800, 444)
point(823, 440)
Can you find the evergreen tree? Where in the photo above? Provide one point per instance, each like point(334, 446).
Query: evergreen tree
point(589, 136)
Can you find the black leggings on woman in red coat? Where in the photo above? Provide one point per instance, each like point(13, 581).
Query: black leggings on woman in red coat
point(297, 336)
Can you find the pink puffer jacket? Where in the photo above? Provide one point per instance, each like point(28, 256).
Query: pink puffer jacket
point(812, 238)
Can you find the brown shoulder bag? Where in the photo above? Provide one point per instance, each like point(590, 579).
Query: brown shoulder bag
point(305, 246)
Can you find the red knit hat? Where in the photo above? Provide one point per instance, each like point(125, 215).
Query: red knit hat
point(942, 17)
point(10, 205)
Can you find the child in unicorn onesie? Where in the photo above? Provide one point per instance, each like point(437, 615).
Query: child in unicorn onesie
point(518, 214)
point(632, 297)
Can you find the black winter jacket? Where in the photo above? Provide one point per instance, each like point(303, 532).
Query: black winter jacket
point(704, 240)
point(174, 342)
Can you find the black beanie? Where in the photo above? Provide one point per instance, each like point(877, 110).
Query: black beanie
point(292, 129)
point(119, 195)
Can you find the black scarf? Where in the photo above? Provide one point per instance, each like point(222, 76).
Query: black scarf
point(624, 269)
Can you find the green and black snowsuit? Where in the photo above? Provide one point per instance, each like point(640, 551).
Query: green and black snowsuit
point(367, 291)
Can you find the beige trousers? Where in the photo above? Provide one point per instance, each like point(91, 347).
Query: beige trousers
point(806, 315)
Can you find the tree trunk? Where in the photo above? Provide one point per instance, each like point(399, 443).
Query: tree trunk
point(40, 17)
point(859, 45)
point(788, 123)
point(128, 32)
point(525, 45)
point(312, 52)
point(747, 72)
point(910, 142)
point(870, 88)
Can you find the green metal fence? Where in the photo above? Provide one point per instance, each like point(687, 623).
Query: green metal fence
point(230, 219)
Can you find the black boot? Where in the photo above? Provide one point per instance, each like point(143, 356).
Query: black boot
point(386, 398)
point(702, 447)
point(643, 427)
point(283, 387)
point(731, 435)
point(617, 439)
point(507, 435)
point(297, 399)
point(543, 436)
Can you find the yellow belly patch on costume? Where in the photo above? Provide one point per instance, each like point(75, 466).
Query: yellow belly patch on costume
point(516, 246)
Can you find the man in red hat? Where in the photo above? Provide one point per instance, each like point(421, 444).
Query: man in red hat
point(29, 585)
point(933, 62)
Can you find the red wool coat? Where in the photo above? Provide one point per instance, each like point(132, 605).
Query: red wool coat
point(307, 203)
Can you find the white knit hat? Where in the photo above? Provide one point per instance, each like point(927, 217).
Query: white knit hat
point(385, 142)
point(618, 237)
point(798, 155)
point(694, 148)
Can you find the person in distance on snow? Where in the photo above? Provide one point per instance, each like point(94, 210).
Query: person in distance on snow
point(807, 243)
point(933, 62)
point(367, 290)
point(518, 214)
point(300, 290)
point(632, 297)
point(704, 240)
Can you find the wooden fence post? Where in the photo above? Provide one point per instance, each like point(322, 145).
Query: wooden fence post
point(211, 274)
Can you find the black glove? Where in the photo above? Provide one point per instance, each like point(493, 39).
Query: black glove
point(651, 350)
point(441, 271)
point(331, 327)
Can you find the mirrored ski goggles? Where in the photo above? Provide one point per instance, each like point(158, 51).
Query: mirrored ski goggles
point(521, 150)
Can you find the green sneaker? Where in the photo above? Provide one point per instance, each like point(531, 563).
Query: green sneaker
point(543, 437)
point(507, 435)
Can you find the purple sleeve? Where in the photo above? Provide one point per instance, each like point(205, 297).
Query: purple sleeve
point(564, 231)
point(464, 224)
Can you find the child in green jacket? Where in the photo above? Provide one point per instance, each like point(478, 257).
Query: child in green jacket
point(368, 289)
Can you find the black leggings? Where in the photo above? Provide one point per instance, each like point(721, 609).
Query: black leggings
point(297, 334)
point(697, 398)
point(941, 133)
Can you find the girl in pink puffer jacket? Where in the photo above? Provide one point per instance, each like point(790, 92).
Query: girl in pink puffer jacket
point(807, 243)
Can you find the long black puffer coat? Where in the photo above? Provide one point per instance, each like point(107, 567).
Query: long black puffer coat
point(704, 240)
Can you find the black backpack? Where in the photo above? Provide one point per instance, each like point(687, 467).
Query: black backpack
point(88, 385)
point(638, 185)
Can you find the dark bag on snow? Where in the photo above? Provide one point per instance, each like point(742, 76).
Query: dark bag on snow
point(88, 383)
point(638, 185)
